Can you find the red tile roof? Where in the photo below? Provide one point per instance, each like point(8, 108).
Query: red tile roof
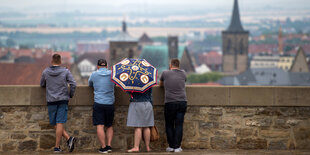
point(22, 73)
point(264, 48)
point(211, 58)
point(306, 48)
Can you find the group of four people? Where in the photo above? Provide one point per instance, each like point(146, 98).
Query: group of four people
point(140, 113)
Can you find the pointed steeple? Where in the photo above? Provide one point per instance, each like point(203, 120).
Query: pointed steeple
point(124, 26)
point(235, 23)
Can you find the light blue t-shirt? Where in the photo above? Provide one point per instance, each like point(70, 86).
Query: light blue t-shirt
point(103, 86)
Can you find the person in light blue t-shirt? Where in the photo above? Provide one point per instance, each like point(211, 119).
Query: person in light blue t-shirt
point(103, 109)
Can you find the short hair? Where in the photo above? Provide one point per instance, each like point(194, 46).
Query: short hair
point(56, 59)
point(102, 62)
point(175, 62)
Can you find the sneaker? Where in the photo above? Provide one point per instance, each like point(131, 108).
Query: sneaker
point(70, 143)
point(109, 149)
point(57, 150)
point(103, 150)
point(178, 149)
point(169, 149)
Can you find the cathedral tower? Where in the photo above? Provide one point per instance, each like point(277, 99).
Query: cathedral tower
point(235, 42)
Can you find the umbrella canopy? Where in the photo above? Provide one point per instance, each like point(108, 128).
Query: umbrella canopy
point(134, 75)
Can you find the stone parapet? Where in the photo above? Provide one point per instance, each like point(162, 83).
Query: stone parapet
point(197, 96)
point(274, 118)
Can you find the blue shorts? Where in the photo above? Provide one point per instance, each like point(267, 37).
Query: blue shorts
point(103, 114)
point(58, 113)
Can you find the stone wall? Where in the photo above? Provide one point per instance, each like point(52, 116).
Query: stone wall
point(216, 118)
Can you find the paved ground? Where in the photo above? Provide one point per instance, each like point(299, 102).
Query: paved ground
point(186, 152)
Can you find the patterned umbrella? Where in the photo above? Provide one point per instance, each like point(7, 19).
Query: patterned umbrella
point(134, 75)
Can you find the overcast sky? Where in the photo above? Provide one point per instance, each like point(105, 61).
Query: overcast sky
point(102, 5)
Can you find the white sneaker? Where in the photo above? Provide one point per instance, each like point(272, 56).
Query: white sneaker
point(178, 149)
point(169, 149)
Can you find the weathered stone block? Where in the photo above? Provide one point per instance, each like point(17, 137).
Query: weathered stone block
point(29, 145)
point(9, 146)
point(4, 134)
point(85, 141)
point(250, 143)
point(293, 122)
point(6, 126)
point(45, 125)
point(47, 141)
point(223, 142)
point(38, 116)
point(281, 124)
point(244, 132)
point(208, 125)
point(302, 138)
point(304, 111)
point(240, 111)
point(259, 122)
point(215, 111)
point(195, 117)
point(274, 133)
point(278, 145)
point(18, 136)
point(119, 141)
point(288, 111)
point(204, 143)
point(269, 111)
point(190, 129)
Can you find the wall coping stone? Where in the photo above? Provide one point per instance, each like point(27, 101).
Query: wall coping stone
point(244, 96)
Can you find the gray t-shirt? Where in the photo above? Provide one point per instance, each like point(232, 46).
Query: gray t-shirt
point(174, 83)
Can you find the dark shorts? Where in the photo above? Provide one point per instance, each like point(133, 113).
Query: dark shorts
point(57, 112)
point(103, 114)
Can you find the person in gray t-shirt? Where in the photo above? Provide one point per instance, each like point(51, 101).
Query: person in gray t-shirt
point(175, 104)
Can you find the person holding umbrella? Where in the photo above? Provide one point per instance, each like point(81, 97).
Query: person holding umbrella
point(137, 76)
point(141, 117)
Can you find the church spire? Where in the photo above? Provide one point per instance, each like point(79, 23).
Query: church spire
point(235, 23)
point(124, 26)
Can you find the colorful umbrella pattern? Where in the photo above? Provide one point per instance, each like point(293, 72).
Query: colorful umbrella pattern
point(134, 75)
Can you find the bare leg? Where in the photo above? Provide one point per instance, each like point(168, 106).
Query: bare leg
point(147, 136)
point(109, 135)
point(101, 135)
point(59, 132)
point(65, 134)
point(138, 134)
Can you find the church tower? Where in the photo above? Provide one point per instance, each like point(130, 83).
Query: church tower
point(280, 42)
point(123, 46)
point(235, 42)
point(173, 47)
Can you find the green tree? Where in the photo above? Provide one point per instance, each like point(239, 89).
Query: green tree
point(204, 78)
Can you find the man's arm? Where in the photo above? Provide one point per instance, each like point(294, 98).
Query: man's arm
point(43, 81)
point(90, 81)
point(72, 84)
point(161, 81)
